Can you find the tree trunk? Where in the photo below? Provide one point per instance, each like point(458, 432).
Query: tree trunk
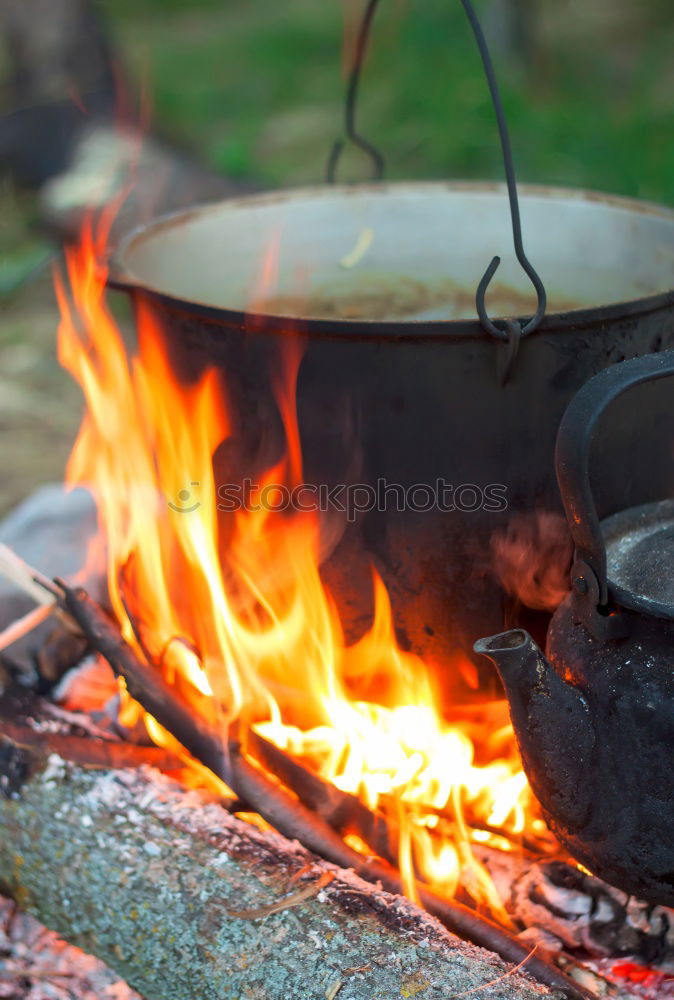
point(174, 893)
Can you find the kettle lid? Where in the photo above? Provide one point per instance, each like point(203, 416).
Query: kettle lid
point(640, 558)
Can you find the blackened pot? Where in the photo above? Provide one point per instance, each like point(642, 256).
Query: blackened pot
point(399, 385)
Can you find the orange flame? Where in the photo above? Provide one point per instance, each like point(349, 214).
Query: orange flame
point(233, 610)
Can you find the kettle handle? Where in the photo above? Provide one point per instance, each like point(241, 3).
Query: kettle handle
point(572, 453)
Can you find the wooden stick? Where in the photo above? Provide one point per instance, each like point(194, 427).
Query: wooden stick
point(343, 811)
point(145, 683)
point(30, 580)
point(22, 626)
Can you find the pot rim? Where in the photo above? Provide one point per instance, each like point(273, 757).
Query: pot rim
point(121, 278)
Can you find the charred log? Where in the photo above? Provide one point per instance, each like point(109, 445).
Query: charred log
point(102, 754)
point(342, 811)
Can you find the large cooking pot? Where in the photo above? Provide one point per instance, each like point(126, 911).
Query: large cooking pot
point(399, 382)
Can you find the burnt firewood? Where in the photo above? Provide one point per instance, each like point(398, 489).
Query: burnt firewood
point(32, 729)
point(287, 814)
point(15, 767)
point(5, 679)
point(146, 684)
point(187, 902)
point(588, 915)
point(565, 908)
point(35, 963)
point(225, 759)
point(82, 750)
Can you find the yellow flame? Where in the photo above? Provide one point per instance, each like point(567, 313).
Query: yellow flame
point(231, 607)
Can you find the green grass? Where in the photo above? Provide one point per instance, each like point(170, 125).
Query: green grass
point(255, 86)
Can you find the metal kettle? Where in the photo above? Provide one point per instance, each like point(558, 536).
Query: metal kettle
point(594, 720)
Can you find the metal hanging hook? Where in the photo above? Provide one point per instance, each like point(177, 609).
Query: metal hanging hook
point(511, 181)
point(350, 106)
point(488, 325)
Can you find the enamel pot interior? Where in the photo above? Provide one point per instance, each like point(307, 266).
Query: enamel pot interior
point(402, 252)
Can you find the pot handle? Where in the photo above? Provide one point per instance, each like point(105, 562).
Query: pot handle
point(510, 332)
point(589, 580)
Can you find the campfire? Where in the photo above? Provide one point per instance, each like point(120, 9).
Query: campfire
point(260, 753)
point(219, 658)
point(231, 610)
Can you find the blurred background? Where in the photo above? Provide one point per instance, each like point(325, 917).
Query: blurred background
point(237, 96)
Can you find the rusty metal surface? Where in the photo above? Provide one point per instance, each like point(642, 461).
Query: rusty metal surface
point(595, 727)
point(627, 780)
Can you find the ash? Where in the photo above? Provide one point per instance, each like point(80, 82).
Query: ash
point(36, 964)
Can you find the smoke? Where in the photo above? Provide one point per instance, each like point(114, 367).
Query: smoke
point(532, 557)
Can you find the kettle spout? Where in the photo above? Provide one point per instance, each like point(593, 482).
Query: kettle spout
point(552, 724)
point(516, 657)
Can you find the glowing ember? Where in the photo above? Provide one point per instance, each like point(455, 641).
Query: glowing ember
point(232, 607)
